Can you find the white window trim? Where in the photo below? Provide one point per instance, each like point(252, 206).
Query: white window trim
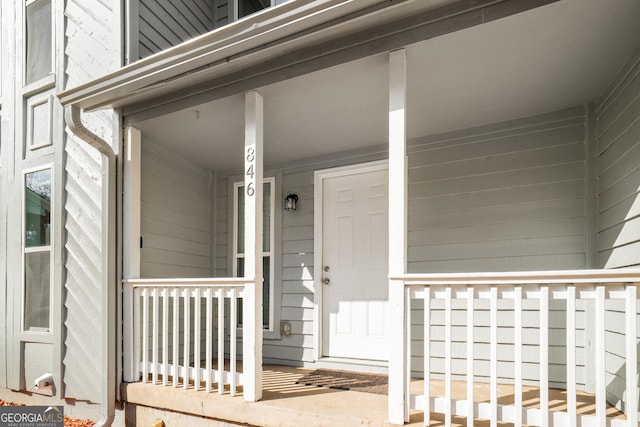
point(50, 248)
point(270, 254)
point(35, 101)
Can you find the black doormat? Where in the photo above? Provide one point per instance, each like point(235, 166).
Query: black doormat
point(345, 380)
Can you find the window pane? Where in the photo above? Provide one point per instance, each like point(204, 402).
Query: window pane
point(240, 221)
point(247, 7)
point(266, 285)
point(39, 43)
point(266, 294)
point(38, 208)
point(240, 267)
point(266, 218)
point(36, 293)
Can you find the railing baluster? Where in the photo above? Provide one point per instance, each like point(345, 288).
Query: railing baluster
point(145, 335)
point(517, 311)
point(470, 356)
point(407, 376)
point(233, 322)
point(196, 338)
point(209, 344)
point(493, 339)
point(186, 336)
point(176, 320)
point(427, 355)
point(544, 356)
point(571, 355)
point(220, 294)
point(601, 385)
point(165, 335)
point(154, 350)
point(136, 319)
point(447, 356)
point(631, 353)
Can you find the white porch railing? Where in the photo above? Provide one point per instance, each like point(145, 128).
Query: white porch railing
point(184, 332)
point(458, 297)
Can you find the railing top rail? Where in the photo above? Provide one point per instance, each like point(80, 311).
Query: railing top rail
point(523, 277)
point(189, 282)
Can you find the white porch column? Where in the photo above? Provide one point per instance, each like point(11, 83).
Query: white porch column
point(398, 375)
point(131, 246)
point(252, 303)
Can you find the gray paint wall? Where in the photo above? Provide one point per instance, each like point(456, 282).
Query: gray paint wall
point(506, 196)
point(502, 197)
point(618, 209)
point(175, 220)
point(166, 23)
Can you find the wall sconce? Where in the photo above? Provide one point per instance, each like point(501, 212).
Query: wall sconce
point(290, 202)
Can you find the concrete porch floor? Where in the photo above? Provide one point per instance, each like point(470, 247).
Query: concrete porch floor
point(286, 403)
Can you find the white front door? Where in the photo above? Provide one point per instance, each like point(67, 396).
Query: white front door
point(355, 266)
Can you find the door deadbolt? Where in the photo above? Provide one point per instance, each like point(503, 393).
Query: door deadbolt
point(326, 268)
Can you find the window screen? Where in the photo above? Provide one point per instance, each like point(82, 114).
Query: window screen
point(38, 40)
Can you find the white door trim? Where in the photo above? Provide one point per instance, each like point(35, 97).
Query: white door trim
point(319, 177)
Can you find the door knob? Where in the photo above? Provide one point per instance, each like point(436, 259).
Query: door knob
point(326, 281)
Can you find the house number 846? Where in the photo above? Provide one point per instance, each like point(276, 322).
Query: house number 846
point(250, 170)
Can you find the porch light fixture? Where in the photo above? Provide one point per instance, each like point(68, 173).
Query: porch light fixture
point(290, 202)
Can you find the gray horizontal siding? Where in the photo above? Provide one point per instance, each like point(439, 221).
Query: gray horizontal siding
point(165, 23)
point(618, 209)
point(507, 196)
point(502, 197)
point(175, 222)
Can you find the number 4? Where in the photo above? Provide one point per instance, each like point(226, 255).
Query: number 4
point(250, 171)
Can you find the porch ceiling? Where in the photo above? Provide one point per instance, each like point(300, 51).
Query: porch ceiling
point(553, 57)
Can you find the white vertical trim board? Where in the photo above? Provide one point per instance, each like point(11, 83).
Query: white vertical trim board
point(252, 302)
point(400, 340)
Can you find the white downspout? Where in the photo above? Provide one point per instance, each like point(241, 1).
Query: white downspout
point(108, 285)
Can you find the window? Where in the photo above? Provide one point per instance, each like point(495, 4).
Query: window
point(247, 7)
point(268, 201)
point(39, 40)
point(37, 251)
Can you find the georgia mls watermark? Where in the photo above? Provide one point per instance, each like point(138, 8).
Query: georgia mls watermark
point(31, 416)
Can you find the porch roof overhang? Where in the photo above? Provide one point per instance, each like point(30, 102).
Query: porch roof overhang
point(292, 39)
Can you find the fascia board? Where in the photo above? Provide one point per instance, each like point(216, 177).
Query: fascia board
point(247, 35)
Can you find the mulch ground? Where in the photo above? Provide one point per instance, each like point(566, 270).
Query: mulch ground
point(68, 421)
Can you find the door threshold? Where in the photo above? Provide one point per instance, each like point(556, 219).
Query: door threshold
point(347, 364)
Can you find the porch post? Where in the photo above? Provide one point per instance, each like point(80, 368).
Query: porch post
point(131, 247)
point(252, 300)
point(398, 375)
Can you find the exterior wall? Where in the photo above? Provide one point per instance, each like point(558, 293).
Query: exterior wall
point(175, 222)
point(165, 23)
point(618, 212)
point(295, 289)
point(503, 197)
point(92, 49)
point(512, 190)
point(222, 13)
point(618, 151)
